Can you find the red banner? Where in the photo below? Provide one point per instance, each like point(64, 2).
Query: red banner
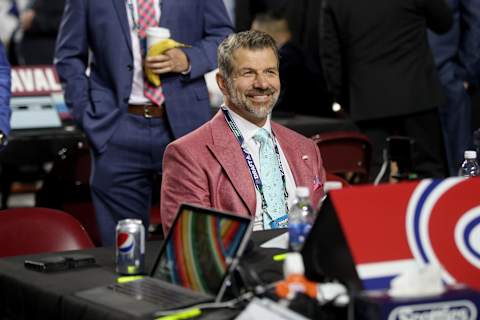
point(392, 227)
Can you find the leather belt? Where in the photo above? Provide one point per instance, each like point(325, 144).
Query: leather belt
point(147, 110)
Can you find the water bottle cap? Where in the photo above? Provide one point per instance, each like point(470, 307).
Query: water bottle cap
point(302, 192)
point(470, 154)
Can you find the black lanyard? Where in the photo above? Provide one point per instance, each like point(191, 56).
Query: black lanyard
point(253, 169)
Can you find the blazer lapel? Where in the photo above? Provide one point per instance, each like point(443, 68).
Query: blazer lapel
point(121, 10)
point(164, 11)
point(227, 151)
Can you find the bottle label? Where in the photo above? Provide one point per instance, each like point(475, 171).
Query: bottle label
point(297, 235)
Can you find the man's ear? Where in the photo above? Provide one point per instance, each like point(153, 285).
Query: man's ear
point(222, 83)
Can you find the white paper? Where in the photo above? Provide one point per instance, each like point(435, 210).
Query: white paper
point(267, 309)
point(417, 282)
point(279, 242)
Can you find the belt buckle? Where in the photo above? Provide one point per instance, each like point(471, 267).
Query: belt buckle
point(146, 112)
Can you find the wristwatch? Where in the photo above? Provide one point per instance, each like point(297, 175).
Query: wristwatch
point(3, 139)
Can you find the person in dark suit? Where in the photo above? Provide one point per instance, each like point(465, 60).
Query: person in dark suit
point(247, 10)
point(379, 65)
point(99, 59)
point(457, 56)
point(302, 18)
point(39, 23)
point(303, 90)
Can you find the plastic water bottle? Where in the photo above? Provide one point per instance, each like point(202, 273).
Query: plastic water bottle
point(300, 218)
point(470, 167)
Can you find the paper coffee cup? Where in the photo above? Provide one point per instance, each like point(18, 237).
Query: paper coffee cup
point(156, 34)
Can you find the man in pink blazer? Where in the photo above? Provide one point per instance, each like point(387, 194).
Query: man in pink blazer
point(211, 166)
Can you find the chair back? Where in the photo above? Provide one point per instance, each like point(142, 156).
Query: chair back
point(37, 230)
point(334, 178)
point(67, 187)
point(346, 154)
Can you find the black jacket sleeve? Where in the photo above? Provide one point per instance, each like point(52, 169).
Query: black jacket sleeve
point(438, 14)
point(331, 53)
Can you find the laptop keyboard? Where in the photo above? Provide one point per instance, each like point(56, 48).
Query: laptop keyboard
point(166, 297)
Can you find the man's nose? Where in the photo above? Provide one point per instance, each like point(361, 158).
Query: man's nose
point(261, 81)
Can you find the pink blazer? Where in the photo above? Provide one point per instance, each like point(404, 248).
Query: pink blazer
point(207, 167)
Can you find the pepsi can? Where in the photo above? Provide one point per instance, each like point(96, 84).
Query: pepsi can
point(130, 247)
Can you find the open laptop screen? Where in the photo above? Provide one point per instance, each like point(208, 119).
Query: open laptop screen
point(199, 249)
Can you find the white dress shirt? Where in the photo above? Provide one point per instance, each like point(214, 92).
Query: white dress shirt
point(248, 130)
point(137, 96)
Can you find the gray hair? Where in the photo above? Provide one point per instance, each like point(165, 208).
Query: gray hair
point(253, 40)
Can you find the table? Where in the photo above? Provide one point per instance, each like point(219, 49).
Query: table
point(26, 294)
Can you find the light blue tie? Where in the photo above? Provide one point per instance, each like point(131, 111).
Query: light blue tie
point(271, 178)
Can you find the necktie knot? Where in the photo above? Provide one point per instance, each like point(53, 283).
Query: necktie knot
point(262, 136)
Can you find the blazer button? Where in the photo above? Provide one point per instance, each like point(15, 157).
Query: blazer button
point(130, 67)
point(125, 100)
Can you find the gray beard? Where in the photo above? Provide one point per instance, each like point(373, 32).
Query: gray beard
point(242, 102)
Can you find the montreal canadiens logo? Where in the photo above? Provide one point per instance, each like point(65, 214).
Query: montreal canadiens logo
point(443, 227)
point(125, 242)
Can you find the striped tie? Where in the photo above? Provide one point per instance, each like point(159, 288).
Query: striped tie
point(146, 18)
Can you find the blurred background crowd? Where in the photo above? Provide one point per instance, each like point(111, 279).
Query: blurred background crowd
point(303, 31)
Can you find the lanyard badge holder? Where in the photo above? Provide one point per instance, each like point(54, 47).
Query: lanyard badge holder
point(278, 223)
point(282, 221)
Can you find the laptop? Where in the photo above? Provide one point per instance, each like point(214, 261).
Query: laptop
point(194, 265)
point(34, 113)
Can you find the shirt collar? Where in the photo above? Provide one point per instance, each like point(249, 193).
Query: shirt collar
point(248, 129)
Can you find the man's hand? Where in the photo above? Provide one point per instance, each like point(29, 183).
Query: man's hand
point(174, 60)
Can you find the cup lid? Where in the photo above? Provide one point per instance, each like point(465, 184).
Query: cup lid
point(158, 32)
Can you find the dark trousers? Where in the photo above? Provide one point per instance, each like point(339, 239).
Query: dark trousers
point(456, 120)
point(123, 175)
point(428, 156)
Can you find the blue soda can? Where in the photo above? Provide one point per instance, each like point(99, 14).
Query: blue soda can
point(130, 247)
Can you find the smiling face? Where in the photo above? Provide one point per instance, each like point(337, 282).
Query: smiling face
point(254, 85)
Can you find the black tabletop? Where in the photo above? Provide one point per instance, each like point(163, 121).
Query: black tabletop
point(27, 294)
